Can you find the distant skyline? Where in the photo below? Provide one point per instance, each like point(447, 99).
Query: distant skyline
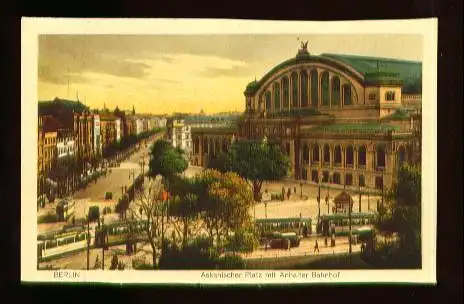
point(185, 73)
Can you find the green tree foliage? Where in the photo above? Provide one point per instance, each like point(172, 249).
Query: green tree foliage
point(222, 162)
point(255, 161)
point(184, 206)
point(166, 160)
point(402, 215)
point(224, 202)
point(94, 213)
point(114, 262)
point(196, 255)
point(242, 241)
point(231, 261)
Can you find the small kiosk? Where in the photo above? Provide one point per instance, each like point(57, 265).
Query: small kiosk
point(342, 202)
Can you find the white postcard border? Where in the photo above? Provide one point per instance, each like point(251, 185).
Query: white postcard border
point(32, 27)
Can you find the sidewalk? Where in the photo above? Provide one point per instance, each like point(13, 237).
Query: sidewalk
point(306, 248)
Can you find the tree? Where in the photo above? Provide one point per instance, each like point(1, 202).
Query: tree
point(224, 201)
point(184, 208)
point(256, 162)
point(153, 210)
point(402, 214)
point(166, 161)
point(242, 241)
point(221, 162)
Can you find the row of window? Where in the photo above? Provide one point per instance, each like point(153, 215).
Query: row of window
point(283, 99)
point(62, 150)
point(336, 178)
point(349, 155)
point(390, 95)
point(50, 140)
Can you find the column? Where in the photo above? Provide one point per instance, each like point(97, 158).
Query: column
point(355, 156)
point(320, 155)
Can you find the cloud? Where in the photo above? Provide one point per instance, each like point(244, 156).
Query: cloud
point(58, 58)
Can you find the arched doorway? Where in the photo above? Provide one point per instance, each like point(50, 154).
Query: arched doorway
point(305, 154)
point(380, 159)
point(326, 154)
point(338, 156)
point(349, 156)
point(362, 156)
point(315, 157)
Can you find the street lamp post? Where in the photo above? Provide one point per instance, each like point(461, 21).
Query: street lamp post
point(319, 199)
point(301, 189)
point(88, 242)
point(349, 239)
point(359, 198)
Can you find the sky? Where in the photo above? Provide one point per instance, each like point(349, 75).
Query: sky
point(161, 74)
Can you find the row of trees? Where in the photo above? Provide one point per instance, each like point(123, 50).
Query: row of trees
point(127, 142)
point(67, 173)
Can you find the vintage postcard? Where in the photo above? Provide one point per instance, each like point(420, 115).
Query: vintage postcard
point(228, 151)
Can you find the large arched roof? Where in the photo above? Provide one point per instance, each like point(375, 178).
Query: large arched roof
point(410, 72)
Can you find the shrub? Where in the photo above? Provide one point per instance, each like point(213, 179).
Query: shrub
point(196, 255)
point(121, 266)
point(47, 218)
point(114, 262)
point(108, 195)
point(231, 262)
point(94, 213)
point(106, 210)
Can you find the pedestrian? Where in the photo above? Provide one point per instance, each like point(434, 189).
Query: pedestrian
point(283, 193)
point(325, 240)
point(289, 192)
point(316, 247)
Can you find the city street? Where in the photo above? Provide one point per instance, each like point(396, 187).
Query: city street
point(118, 177)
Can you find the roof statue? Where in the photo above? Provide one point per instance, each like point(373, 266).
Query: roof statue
point(304, 45)
point(304, 48)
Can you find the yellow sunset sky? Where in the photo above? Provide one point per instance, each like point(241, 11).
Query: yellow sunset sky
point(161, 74)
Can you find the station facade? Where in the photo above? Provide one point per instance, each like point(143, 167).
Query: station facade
point(341, 119)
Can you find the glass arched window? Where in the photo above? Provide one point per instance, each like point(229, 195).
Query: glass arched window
point(325, 88)
point(346, 95)
point(314, 88)
point(306, 154)
point(380, 156)
point(268, 100)
point(286, 87)
point(316, 153)
point(349, 156)
point(338, 155)
point(294, 90)
point(304, 89)
point(276, 89)
point(362, 156)
point(326, 154)
point(335, 90)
